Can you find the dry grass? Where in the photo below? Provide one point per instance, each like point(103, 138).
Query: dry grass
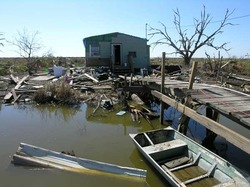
point(59, 93)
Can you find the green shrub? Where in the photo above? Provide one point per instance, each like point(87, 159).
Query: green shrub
point(20, 69)
point(3, 71)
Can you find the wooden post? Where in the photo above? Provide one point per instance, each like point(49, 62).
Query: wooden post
point(184, 120)
point(131, 79)
point(208, 141)
point(125, 80)
point(219, 66)
point(162, 86)
point(191, 80)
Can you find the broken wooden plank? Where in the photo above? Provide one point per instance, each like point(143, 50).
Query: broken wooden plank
point(137, 89)
point(38, 86)
point(21, 81)
point(92, 78)
point(25, 91)
point(104, 87)
point(7, 96)
point(16, 99)
point(43, 78)
point(137, 99)
point(14, 79)
point(13, 93)
point(239, 78)
point(10, 94)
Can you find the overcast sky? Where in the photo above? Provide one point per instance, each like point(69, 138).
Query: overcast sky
point(63, 24)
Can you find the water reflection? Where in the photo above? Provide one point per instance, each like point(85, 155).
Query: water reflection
point(103, 137)
point(110, 118)
point(59, 112)
point(153, 176)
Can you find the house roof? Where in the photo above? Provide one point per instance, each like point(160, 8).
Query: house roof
point(106, 37)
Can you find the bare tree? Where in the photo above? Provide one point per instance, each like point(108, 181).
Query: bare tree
point(187, 44)
point(28, 45)
point(1, 43)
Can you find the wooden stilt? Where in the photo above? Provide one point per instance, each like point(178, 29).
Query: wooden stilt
point(208, 141)
point(162, 86)
point(184, 120)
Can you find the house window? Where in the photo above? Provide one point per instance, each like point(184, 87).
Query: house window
point(94, 50)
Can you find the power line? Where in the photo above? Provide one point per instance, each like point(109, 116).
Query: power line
point(244, 16)
point(238, 17)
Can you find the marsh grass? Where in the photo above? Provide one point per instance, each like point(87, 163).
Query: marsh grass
point(59, 92)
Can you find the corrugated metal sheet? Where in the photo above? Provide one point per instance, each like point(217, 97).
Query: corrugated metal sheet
point(105, 38)
point(99, 38)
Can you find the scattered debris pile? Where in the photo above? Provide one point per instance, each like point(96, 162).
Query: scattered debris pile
point(98, 86)
point(76, 85)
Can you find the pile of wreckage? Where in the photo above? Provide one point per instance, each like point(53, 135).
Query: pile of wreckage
point(98, 86)
point(15, 89)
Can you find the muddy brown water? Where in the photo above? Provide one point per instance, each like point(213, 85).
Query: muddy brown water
point(102, 137)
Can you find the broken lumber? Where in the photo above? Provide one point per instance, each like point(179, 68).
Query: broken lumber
point(16, 99)
point(19, 84)
point(92, 78)
point(7, 96)
point(14, 79)
point(13, 93)
point(137, 99)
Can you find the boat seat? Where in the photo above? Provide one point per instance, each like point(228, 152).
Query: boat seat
point(176, 161)
point(171, 145)
point(166, 151)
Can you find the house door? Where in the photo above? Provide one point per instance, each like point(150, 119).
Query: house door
point(116, 54)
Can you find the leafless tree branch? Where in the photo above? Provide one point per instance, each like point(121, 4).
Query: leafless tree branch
point(186, 45)
point(27, 44)
point(1, 39)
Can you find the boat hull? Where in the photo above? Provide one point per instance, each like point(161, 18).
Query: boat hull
point(182, 161)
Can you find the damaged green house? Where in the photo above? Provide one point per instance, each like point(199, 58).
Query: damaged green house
point(123, 53)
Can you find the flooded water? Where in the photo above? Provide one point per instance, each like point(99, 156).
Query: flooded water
point(103, 137)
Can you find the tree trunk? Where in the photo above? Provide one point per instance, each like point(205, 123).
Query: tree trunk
point(187, 60)
point(29, 65)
